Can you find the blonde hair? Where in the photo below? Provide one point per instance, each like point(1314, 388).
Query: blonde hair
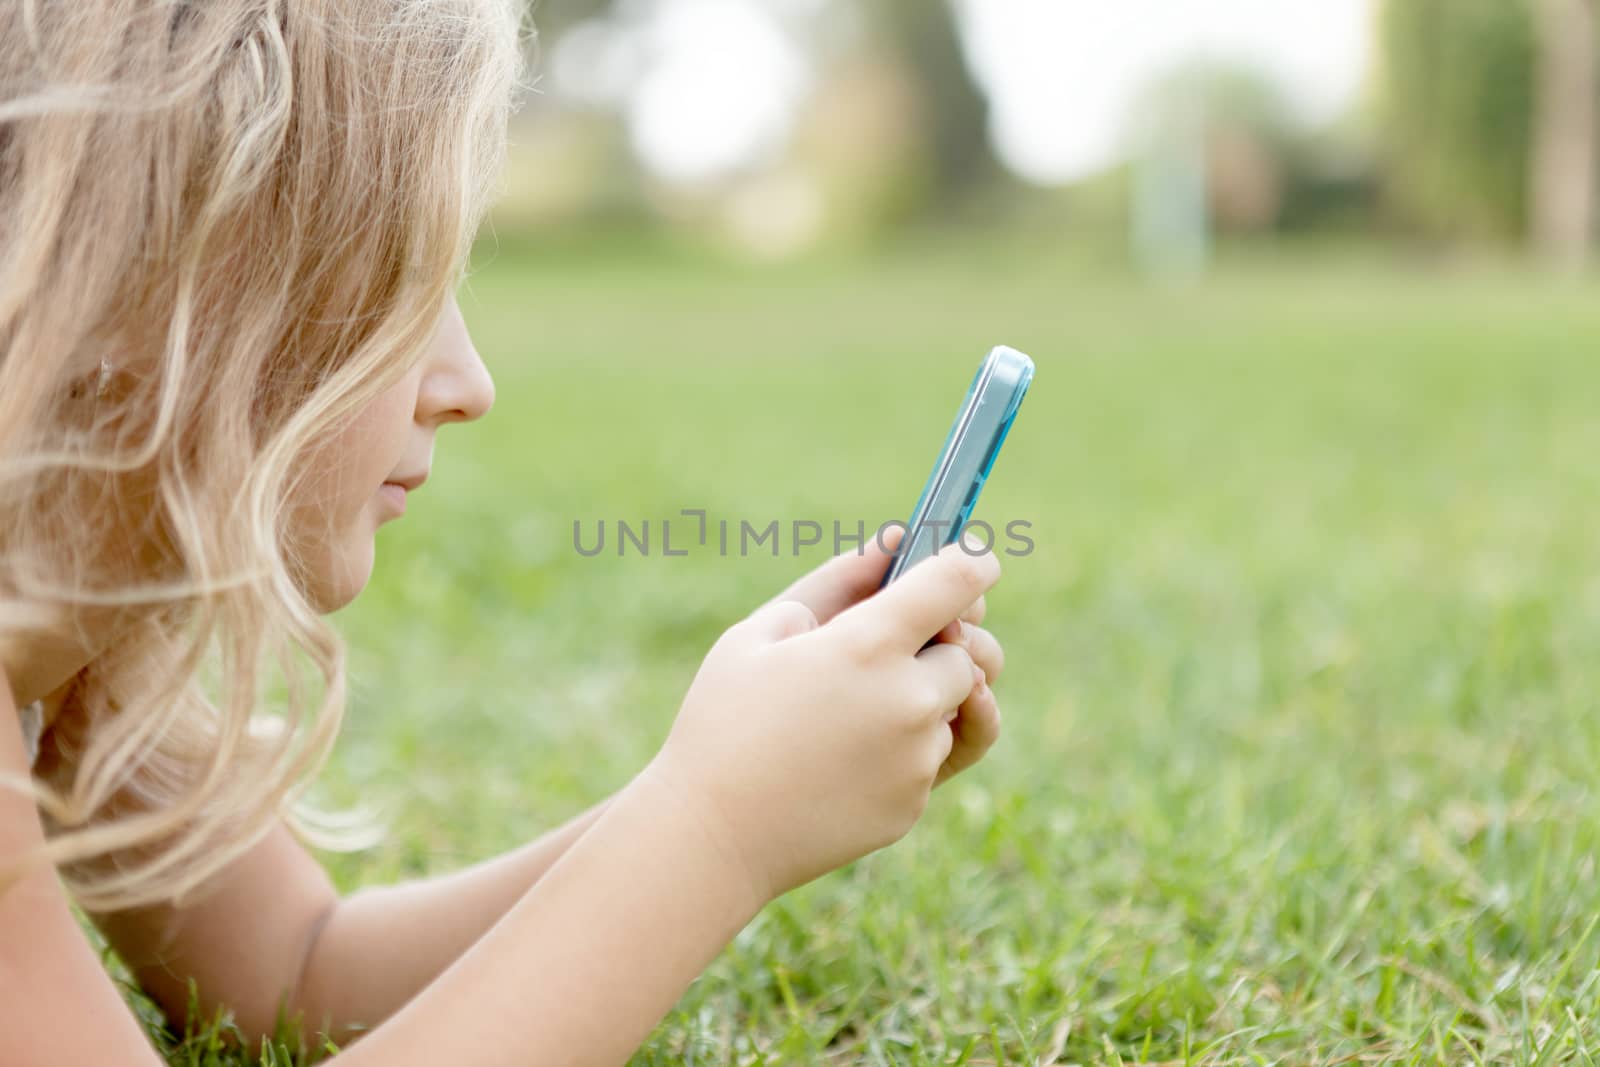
point(225, 226)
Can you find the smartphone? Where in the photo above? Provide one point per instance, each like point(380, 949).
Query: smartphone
point(967, 458)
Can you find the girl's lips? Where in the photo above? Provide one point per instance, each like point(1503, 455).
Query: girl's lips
point(394, 495)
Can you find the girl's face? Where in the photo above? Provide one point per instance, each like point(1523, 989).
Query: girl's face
point(361, 475)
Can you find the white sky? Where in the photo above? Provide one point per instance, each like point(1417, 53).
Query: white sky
point(1061, 73)
point(711, 85)
point(722, 90)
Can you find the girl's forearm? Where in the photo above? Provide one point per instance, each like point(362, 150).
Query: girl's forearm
point(583, 966)
point(379, 947)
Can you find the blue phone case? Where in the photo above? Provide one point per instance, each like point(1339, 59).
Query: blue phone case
point(969, 452)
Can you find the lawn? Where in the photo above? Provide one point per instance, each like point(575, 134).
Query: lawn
point(1302, 672)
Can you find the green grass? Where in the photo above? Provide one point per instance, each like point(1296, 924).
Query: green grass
point(1301, 704)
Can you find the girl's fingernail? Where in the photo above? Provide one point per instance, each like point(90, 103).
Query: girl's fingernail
point(979, 679)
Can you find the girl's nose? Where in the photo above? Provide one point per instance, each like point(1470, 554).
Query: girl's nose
point(457, 386)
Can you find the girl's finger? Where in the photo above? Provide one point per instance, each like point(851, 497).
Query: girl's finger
point(985, 651)
point(975, 614)
point(776, 620)
point(925, 599)
point(950, 675)
point(973, 733)
point(846, 579)
point(943, 741)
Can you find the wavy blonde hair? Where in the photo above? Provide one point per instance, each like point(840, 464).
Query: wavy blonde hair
point(225, 226)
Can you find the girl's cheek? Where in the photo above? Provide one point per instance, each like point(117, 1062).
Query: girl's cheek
point(347, 467)
point(374, 443)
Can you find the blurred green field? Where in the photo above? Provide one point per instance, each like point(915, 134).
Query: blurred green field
point(1302, 673)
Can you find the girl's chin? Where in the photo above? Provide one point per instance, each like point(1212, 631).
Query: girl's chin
point(343, 574)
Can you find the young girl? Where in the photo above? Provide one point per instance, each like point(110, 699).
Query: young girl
point(230, 234)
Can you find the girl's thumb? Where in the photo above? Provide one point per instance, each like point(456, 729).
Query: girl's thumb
point(779, 620)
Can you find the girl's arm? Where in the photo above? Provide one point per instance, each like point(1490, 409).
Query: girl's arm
point(583, 967)
point(345, 963)
point(578, 972)
point(811, 736)
point(348, 974)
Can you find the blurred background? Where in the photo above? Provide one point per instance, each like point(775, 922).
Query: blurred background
point(1301, 726)
point(1145, 128)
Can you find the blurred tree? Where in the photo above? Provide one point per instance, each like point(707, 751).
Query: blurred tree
point(551, 18)
point(952, 107)
point(1247, 136)
point(1218, 149)
point(1562, 164)
point(1457, 102)
point(860, 139)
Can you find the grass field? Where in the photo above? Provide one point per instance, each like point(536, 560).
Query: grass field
point(1301, 732)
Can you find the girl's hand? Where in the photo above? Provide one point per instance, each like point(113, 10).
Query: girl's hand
point(977, 727)
point(816, 727)
point(846, 580)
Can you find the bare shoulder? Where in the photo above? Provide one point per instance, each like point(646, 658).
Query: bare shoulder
point(57, 1004)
